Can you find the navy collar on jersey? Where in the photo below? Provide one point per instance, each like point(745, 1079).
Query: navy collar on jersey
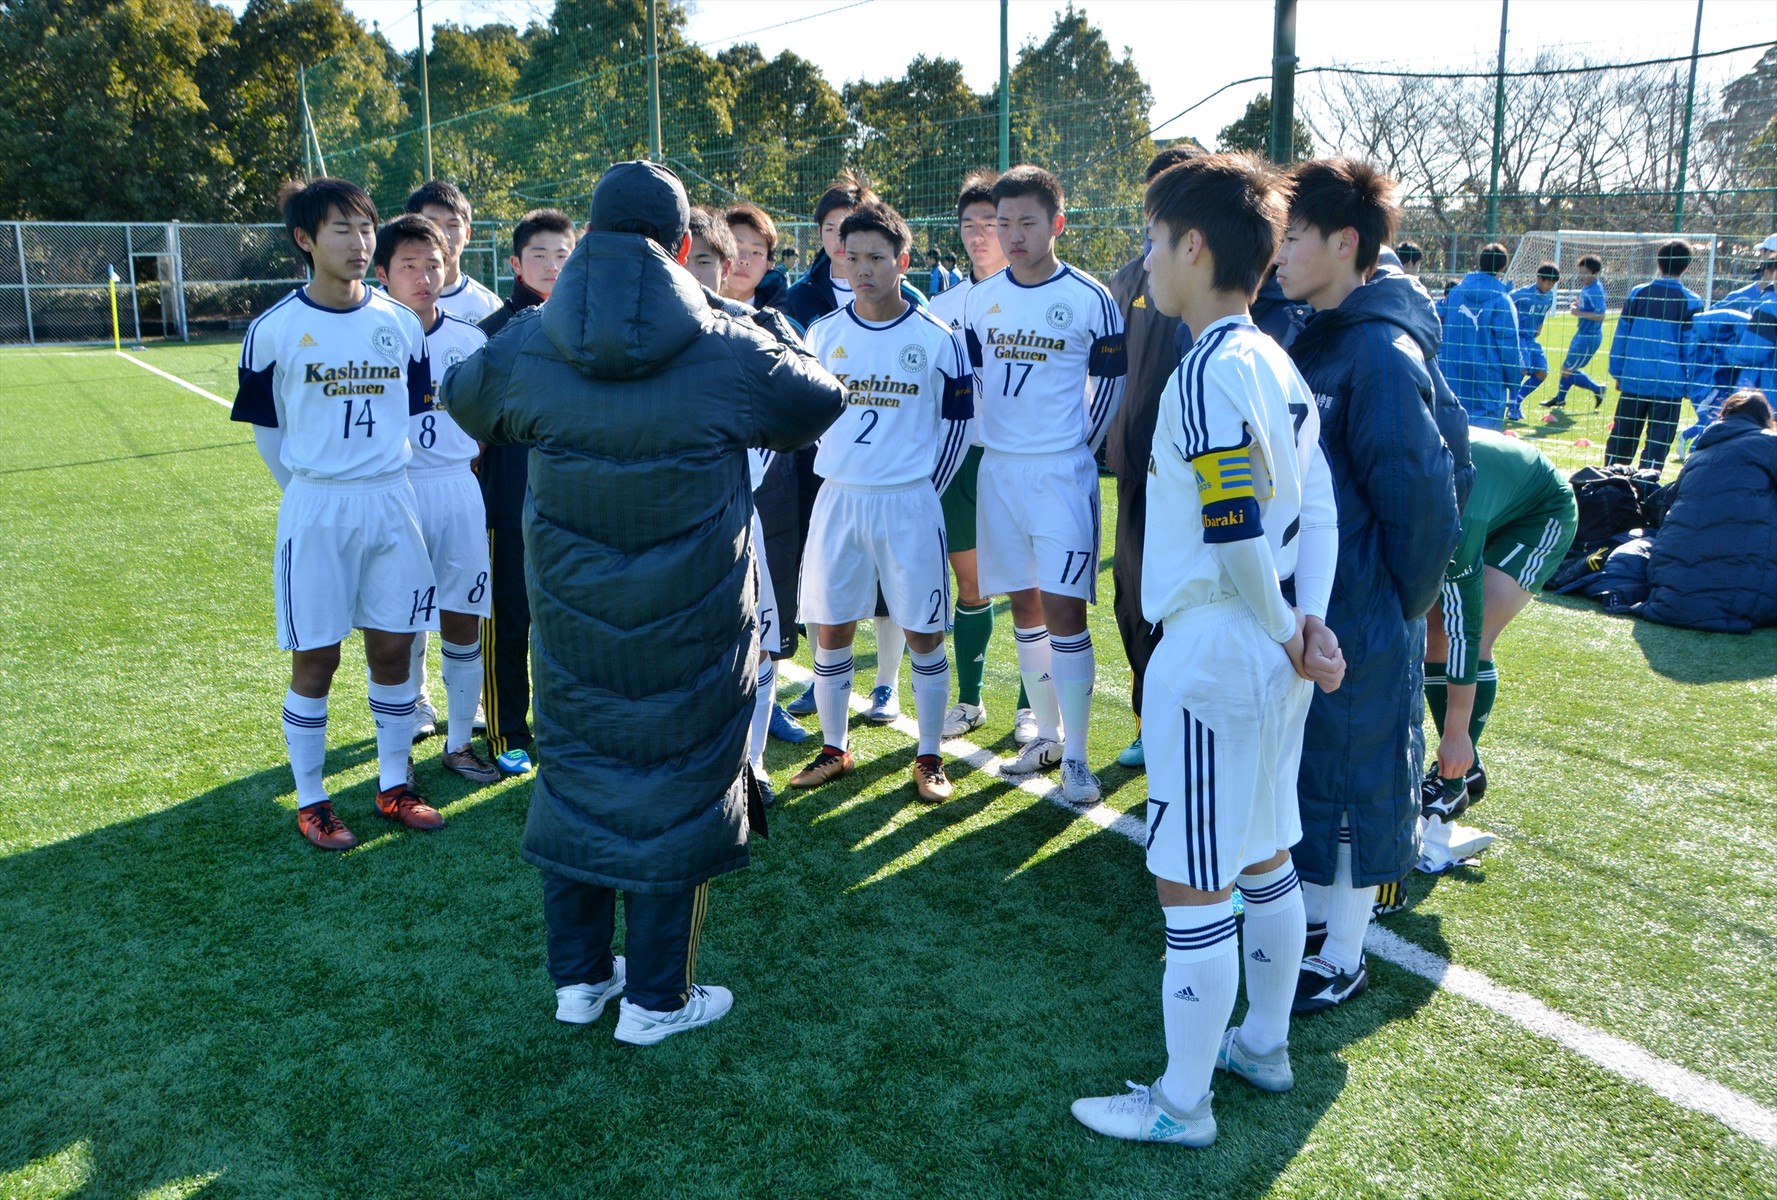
point(303, 292)
point(1061, 269)
point(1232, 319)
point(851, 311)
point(439, 323)
point(463, 282)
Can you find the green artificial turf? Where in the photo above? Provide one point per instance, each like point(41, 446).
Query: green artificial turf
point(195, 1002)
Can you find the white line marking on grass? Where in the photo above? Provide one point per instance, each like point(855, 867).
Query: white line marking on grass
point(190, 387)
point(1623, 1059)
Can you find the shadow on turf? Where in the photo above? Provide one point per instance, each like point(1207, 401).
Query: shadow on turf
point(172, 980)
point(1689, 655)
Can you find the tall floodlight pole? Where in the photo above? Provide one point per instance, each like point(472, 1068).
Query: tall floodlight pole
point(425, 89)
point(1005, 86)
point(1499, 126)
point(654, 81)
point(1283, 84)
point(1684, 147)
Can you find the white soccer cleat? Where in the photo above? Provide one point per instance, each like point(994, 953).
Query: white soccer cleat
point(1024, 727)
point(1268, 1072)
point(583, 1003)
point(425, 719)
point(1142, 1115)
point(643, 1026)
point(1079, 786)
point(963, 718)
point(1040, 754)
point(885, 706)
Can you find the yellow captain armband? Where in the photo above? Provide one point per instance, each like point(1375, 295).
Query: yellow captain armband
point(1225, 489)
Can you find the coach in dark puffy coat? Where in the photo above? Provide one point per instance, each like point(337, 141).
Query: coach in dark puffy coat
point(1366, 362)
point(638, 401)
point(1714, 564)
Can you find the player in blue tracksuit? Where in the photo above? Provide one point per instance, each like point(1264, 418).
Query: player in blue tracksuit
point(1720, 332)
point(1764, 280)
point(1651, 356)
point(1480, 354)
point(1533, 302)
point(1588, 310)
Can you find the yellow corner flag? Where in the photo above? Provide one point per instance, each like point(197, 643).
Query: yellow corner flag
point(116, 335)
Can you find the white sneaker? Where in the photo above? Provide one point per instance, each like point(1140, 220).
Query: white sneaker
point(1040, 754)
point(1078, 784)
point(643, 1026)
point(1269, 1072)
point(1024, 727)
point(1142, 1115)
point(480, 725)
point(884, 705)
point(425, 719)
point(963, 718)
point(583, 1003)
point(1466, 842)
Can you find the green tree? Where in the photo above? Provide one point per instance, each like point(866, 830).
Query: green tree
point(354, 93)
point(1252, 132)
point(103, 115)
point(789, 131)
point(479, 134)
point(1082, 112)
point(920, 134)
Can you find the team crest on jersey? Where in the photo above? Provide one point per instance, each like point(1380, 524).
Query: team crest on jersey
point(306, 342)
point(453, 356)
point(913, 358)
point(1059, 316)
point(384, 341)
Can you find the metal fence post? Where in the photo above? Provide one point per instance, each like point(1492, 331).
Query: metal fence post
point(177, 251)
point(129, 256)
point(18, 238)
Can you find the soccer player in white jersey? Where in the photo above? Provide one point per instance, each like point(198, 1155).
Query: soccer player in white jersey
point(329, 376)
point(877, 519)
point(1239, 495)
point(410, 252)
point(978, 225)
point(712, 261)
point(444, 204)
point(1047, 344)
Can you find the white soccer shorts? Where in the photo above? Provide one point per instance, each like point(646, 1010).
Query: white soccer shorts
point(862, 537)
point(770, 636)
point(350, 556)
point(1222, 718)
point(453, 520)
point(1036, 524)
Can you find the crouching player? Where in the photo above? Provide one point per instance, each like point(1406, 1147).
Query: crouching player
point(1239, 494)
point(1516, 528)
point(410, 260)
point(329, 376)
point(910, 399)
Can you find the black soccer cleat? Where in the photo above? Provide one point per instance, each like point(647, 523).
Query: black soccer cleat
point(1443, 799)
point(1321, 985)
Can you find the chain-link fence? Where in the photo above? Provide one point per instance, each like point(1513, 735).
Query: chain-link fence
point(174, 280)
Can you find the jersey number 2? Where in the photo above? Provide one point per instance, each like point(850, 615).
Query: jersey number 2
point(871, 417)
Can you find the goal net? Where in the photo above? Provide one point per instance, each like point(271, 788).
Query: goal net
point(1628, 259)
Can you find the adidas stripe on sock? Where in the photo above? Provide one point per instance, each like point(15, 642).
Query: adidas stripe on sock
point(1074, 666)
point(462, 690)
point(305, 736)
point(833, 670)
point(1034, 665)
point(392, 706)
point(1272, 934)
point(931, 691)
point(1197, 995)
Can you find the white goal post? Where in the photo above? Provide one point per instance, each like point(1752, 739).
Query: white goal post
point(1628, 258)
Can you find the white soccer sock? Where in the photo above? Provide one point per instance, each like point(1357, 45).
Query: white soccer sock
point(416, 666)
point(1271, 937)
point(392, 705)
point(305, 735)
point(1034, 665)
point(762, 702)
point(1197, 995)
point(462, 690)
point(891, 642)
point(931, 692)
point(832, 693)
point(1315, 902)
point(1348, 914)
point(1074, 665)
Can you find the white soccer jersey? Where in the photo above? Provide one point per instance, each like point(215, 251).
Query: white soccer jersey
point(758, 462)
point(438, 441)
point(909, 397)
point(340, 383)
point(1049, 361)
point(1236, 455)
point(947, 305)
point(469, 300)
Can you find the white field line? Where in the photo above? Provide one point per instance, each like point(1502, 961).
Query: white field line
point(1680, 1085)
point(190, 387)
